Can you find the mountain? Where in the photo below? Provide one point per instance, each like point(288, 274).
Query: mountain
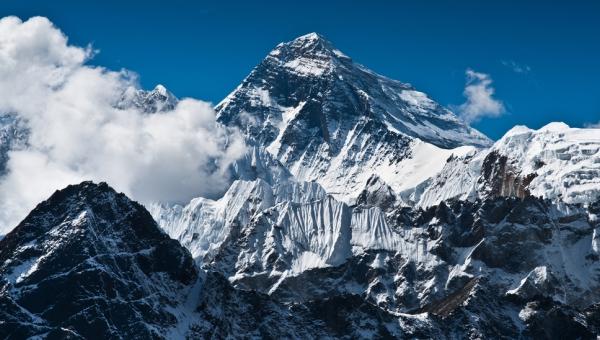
point(88, 262)
point(330, 120)
point(158, 100)
point(309, 83)
point(554, 162)
point(361, 209)
point(360, 188)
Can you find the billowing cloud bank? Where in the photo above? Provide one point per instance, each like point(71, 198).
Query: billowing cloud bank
point(76, 132)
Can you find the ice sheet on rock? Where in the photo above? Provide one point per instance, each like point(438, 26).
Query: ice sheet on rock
point(456, 180)
point(370, 231)
point(298, 192)
point(203, 224)
point(321, 228)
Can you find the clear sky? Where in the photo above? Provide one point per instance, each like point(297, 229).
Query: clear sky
point(543, 56)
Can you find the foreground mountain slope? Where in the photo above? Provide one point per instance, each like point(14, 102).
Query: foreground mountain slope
point(88, 262)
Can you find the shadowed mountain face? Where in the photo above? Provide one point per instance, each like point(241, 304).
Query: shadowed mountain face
point(89, 262)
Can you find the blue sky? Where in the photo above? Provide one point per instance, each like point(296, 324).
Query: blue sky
point(542, 56)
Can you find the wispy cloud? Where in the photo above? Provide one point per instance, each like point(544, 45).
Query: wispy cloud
point(592, 125)
point(480, 101)
point(516, 67)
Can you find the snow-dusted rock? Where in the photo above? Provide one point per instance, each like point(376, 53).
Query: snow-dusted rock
point(13, 135)
point(88, 262)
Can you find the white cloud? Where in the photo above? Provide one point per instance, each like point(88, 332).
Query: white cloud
point(516, 67)
point(480, 98)
point(77, 133)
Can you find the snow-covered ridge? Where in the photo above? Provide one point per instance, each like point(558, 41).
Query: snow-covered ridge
point(556, 162)
point(564, 161)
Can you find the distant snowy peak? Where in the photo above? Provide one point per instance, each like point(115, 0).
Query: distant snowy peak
point(157, 100)
point(13, 135)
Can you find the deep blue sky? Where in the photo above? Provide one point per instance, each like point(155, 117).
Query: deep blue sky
point(204, 49)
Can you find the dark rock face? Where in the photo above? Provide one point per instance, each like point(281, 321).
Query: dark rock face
point(498, 179)
point(551, 321)
point(237, 313)
point(377, 194)
point(88, 262)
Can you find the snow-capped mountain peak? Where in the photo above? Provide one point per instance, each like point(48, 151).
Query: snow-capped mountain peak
point(87, 263)
point(338, 92)
point(162, 90)
point(157, 100)
point(330, 120)
point(310, 54)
